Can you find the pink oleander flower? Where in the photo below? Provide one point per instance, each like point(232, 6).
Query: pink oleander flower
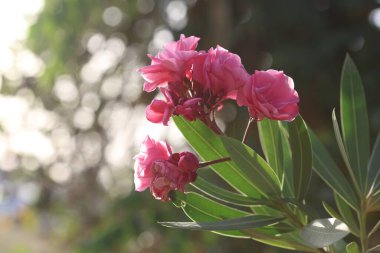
point(191, 109)
point(194, 84)
point(162, 171)
point(159, 111)
point(269, 94)
point(150, 152)
point(220, 72)
point(172, 64)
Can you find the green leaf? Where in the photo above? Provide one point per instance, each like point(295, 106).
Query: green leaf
point(354, 119)
point(308, 210)
point(287, 163)
point(342, 149)
point(241, 223)
point(207, 205)
point(277, 153)
point(209, 146)
point(201, 209)
point(324, 232)
point(331, 211)
point(373, 179)
point(253, 167)
point(347, 215)
point(326, 168)
point(225, 195)
point(302, 156)
point(269, 133)
point(352, 247)
point(196, 214)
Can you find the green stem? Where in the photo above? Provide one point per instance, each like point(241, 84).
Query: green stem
point(205, 164)
point(289, 213)
point(363, 226)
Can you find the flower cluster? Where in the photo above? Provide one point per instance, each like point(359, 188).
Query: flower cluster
point(195, 84)
point(160, 170)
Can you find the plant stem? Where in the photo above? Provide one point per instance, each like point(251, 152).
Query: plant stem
point(250, 121)
point(205, 164)
point(289, 213)
point(212, 125)
point(363, 226)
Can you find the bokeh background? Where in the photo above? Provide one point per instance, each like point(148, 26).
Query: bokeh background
point(72, 107)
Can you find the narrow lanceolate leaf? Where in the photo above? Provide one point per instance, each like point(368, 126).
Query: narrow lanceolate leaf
point(269, 133)
point(331, 211)
point(302, 156)
point(209, 146)
point(201, 209)
point(373, 179)
point(225, 195)
point(253, 167)
point(352, 247)
point(287, 163)
point(291, 241)
point(241, 223)
point(324, 232)
point(342, 149)
point(347, 215)
point(354, 120)
point(327, 169)
point(308, 210)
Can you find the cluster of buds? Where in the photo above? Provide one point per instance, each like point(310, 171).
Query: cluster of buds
point(195, 84)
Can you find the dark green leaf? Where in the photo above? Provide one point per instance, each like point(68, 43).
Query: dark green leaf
point(196, 214)
point(269, 133)
point(331, 211)
point(241, 223)
point(287, 163)
point(282, 227)
point(354, 119)
point(347, 215)
point(209, 146)
point(326, 168)
point(324, 232)
point(207, 205)
point(373, 180)
point(302, 156)
point(338, 247)
point(253, 167)
point(287, 241)
point(225, 195)
point(310, 211)
point(343, 151)
point(352, 247)
point(202, 209)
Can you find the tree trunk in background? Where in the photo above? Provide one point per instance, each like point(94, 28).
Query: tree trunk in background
point(220, 22)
